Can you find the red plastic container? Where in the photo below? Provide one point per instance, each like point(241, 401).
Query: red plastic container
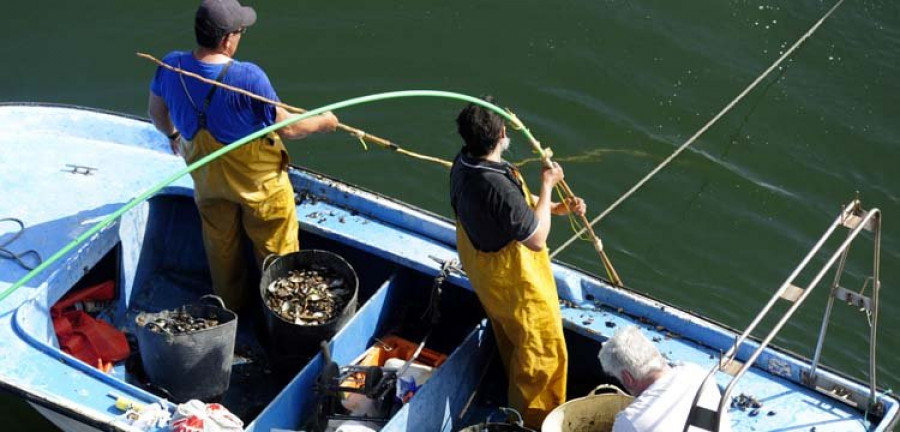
point(89, 339)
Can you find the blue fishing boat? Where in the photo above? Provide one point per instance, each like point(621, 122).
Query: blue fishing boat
point(83, 165)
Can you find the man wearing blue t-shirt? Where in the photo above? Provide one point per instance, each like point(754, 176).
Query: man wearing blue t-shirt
point(246, 190)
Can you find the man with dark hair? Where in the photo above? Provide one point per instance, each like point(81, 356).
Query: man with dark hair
point(247, 190)
point(501, 234)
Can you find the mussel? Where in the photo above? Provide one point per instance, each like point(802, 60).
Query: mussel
point(307, 297)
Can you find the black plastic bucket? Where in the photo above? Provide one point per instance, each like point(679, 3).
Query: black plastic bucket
point(191, 365)
point(287, 339)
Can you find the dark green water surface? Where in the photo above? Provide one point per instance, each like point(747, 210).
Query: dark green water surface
point(613, 87)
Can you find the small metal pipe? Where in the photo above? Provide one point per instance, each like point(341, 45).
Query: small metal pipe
point(820, 343)
point(876, 288)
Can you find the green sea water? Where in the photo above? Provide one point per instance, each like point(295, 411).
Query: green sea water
point(612, 86)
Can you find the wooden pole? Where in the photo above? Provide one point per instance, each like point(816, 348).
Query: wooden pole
point(357, 133)
point(567, 193)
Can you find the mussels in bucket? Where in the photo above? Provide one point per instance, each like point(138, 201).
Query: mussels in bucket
point(188, 351)
point(310, 296)
point(179, 321)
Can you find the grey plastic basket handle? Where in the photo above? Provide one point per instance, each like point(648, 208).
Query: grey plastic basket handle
point(214, 297)
point(511, 415)
point(268, 260)
point(607, 388)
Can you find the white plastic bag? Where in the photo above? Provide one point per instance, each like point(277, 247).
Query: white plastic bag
point(146, 417)
point(409, 382)
point(195, 416)
point(351, 426)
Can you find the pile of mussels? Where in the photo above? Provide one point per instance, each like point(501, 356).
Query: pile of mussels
point(178, 322)
point(308, 297)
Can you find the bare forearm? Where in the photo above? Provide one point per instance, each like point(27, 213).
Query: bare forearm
point(159, 115)
point(550, 176)
point(298, 130)
point(556, 208)
point(538, 240)
point(303, 128)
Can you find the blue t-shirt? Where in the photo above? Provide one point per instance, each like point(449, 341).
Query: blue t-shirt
point(230, 115)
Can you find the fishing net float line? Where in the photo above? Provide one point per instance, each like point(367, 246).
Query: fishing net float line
point(147, 194)
point(696, 135)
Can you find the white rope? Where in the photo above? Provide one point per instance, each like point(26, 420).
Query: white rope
point(701, 131)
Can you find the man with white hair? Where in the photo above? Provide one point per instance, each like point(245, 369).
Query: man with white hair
point(663, 393)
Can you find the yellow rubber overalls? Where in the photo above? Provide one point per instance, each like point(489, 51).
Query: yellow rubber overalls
point(516, 288)
point(246, 189)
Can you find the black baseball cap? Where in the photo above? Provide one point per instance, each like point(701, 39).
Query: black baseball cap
point(227, 15)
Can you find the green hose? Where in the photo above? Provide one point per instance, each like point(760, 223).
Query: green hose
point(214, 155)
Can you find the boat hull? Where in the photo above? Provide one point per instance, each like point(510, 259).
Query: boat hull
point(64, 422)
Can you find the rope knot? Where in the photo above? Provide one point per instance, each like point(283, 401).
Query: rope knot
point(361, 136)
point(515, 123)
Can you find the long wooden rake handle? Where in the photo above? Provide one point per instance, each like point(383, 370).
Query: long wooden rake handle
point(358, 133)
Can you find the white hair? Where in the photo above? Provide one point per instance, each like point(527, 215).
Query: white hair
point(630, 350)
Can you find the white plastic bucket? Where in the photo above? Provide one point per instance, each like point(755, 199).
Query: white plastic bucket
point(592, 413)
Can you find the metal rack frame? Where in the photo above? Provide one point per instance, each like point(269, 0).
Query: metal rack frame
point(855, 219)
